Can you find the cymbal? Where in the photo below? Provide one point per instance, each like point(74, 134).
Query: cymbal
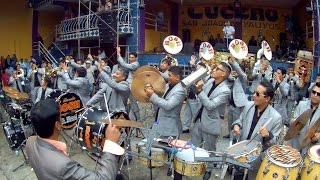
point(9, 89)
point(20, 95)
point(298, 124)
point(123, 123)
point(310, 133)
point(147, 77)
point(143, 69)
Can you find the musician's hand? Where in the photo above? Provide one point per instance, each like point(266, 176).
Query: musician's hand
point(316, 137)
point(64, 67)
point(231, 59)
point(192, 60)
point(100, 68)
point(264, 132)
point(118, 51)
point(90, 57)
point(236, 130)
point(149, 90)
point(112, 133)
point(199, 85)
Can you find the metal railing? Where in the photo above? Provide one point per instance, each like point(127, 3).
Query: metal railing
point(78, 24)
point(153, 23)
point(43, 50)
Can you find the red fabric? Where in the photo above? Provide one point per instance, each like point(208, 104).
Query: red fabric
point(5, 79)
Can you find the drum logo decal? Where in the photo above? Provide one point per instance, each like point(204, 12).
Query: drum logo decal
point(87, 137)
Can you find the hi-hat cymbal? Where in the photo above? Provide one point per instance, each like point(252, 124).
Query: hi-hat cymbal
point(9, 89)
point(123, 123)
point(143, 69)
point(141, 80)
point(298, 124)
point(310, 133)
point(18, 95)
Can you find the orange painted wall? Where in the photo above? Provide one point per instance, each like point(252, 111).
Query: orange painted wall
point(47, 23)
point(16, 27)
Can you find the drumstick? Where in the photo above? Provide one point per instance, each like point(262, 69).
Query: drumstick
point(106, 103)
point(79, 110)
point(258, 131)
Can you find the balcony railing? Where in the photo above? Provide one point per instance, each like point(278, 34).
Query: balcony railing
point(78, 24)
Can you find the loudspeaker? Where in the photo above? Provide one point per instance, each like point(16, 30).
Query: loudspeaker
point(107, 35)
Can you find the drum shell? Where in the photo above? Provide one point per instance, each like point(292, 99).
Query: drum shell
point(250, 154)
point(156, 153)
point(188, 168)
point(14, 134)
point(276, 171)
point(311, 168)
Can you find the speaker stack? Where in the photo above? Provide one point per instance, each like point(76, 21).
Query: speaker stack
point(107, 35)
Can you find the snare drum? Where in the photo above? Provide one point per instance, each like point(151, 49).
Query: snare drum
point(14, 110)
point(244, 152)
point(90, 130)
point(311, 168)
point(280, 162)
point(184, 164)
point(156, 153)
point(70, 107)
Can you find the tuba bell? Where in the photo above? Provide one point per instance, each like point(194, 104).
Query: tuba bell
point(238, 49)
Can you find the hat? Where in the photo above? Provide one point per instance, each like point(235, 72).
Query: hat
point(88, 61)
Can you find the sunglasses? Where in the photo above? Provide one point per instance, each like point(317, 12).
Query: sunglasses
point(315, 92)
point(258, 94)
point(217, 68)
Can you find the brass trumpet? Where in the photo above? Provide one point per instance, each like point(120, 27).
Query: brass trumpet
point(53, 72)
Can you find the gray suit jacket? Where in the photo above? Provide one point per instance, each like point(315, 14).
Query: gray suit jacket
point(257, 77)
point(39, 93)
point(79, 86)
point(90, 70)
point(210, 117)
point(303, 106)
point(245, 121)
point(294, 87)
point(117, 94)
point(165, 75)
point(280, 100)
point(132, 68)
point(49, 163)
point(31, 76)
point(60, 82)
point(13, 83)
point(239, 85)
point(169, 110)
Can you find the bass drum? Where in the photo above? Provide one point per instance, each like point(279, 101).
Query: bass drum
point(311, 168)
point(54, 94)
point(90, 130)
point(70, 107)
point(14, 134)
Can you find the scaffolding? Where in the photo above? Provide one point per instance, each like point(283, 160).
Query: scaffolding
point(88, 26)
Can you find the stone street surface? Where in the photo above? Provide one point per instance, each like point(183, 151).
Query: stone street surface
point(12, 159)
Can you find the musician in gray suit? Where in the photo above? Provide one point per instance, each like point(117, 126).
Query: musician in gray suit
point(131, 66)
point(169, 105)
point(280, 95)
point(213, 95)
point(117, 91)
point(164, 67)
point(294, 82)
point(237, 83)
point(261, 72)
point(254, 116)
point(15, 81)
point(312, 103)
point(35, 76)
point(48, 156)
point(80, 84)
point(44, 90)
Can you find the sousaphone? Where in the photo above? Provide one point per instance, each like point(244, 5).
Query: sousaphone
point(266, 50)
point(238, 49)
point(172, 44)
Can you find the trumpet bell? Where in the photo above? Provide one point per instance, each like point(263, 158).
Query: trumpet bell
point(172, 44)
point(238, 48)
point(266, 50)
point(206, 51)
point(194, 77)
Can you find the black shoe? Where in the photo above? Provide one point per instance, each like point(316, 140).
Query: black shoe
point(125, 161)
point(227, 136)
point(186, 131)
point(207, 175)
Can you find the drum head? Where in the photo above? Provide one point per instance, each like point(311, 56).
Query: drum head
point(243, 147)
point(314, 153)
point(188, 154)
point(54, 94)
point(90, 130)
point(284, 156)
point(70, 106)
